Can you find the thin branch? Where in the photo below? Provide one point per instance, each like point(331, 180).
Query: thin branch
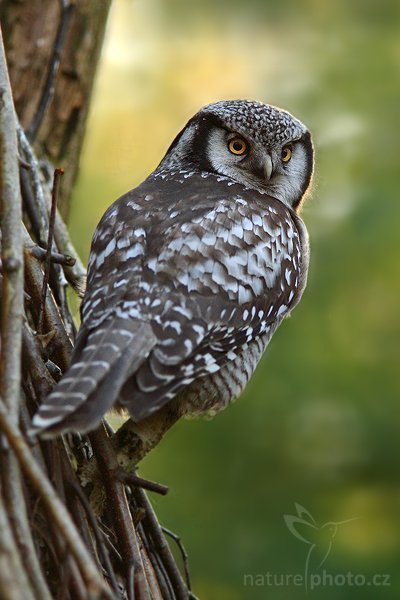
point(19, 519)
point(128, 542)
point(52, 320)
point(14, 584)
point(12, 254)
point(33, 364)
point(56, 509)
point(146, 484)
point(163, 581)
point(54, 194)
point(184, 554)
point(55, 257)
point(11, 324)
point(131, 583)
point(75, 274)
point(49, 86)
point(161, 545)
point(99, 535)
point(35, 196)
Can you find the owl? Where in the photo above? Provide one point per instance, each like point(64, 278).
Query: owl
point(191, 272)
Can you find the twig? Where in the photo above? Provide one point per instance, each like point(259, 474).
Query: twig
point(19, 519)
point(75, 274)
point(56, 257)
point(34, 365)
point(99, 535)
point(55, 508)
point(108, 534)
point(136, 481)
point(131, 583)
point(11, 323)
point(14, 584)
point(184, 554)
point(163, 581)
point(155, 568)
point(34, 282)
point(161, 545)
point(128, 543)
point(12, 255)
point(54, 194)
point(49, 86)
point(33, 197)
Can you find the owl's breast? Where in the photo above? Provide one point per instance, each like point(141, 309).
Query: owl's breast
point(210, 394)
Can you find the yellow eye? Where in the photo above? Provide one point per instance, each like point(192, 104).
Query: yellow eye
point(286, 153)
point(237, 146)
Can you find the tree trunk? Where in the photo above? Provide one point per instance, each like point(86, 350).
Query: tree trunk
point(73, 524)
point(53, 48)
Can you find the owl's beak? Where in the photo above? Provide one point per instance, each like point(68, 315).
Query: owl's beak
point(267, 166)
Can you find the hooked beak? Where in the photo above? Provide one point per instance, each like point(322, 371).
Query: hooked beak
point(267, 166)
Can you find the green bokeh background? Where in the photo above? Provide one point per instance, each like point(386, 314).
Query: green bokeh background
point(319, 423)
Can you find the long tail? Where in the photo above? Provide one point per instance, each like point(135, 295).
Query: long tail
point(104, 359)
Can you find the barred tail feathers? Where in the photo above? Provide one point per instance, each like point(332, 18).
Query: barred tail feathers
point(91, 385)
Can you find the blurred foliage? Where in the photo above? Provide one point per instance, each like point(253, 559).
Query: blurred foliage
point(318, 423)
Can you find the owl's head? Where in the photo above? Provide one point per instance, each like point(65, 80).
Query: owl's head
point(260, 146)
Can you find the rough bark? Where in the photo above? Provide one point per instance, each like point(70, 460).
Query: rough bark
point(53, 48)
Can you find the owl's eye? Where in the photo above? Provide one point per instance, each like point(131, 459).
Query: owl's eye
point(286, 154)
point(237, 146)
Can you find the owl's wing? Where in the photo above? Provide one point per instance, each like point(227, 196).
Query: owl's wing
point(176, 283)
point(113, 339)
point(232, 273)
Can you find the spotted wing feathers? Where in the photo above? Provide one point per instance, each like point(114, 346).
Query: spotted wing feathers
point(186, 273)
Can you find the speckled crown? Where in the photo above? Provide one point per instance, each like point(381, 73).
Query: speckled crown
point(264, 122)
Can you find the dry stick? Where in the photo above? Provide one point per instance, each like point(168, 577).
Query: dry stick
point(54, 194)
point(51, 316)
point(34, 190)
point(34, 193)
point(98, 534)
point(13, 583)
point(151, 575)
point(69, 476)
point(36, 198)
point(184, 554)
point(161, 545)
point(131, 583)
point(108, 534)
point(56, 257)
point(163, 581)
point(11, 323)
point(157, 577)
point(56, 509)
point(49, 86)
point(71, 578)
point(136, 481)
point(33, 364)
point(43, 383)
point(38, 223)
point(19, 518)
point(128, 543)
point(41, 253)
point(75, 274)
point(12, 254)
